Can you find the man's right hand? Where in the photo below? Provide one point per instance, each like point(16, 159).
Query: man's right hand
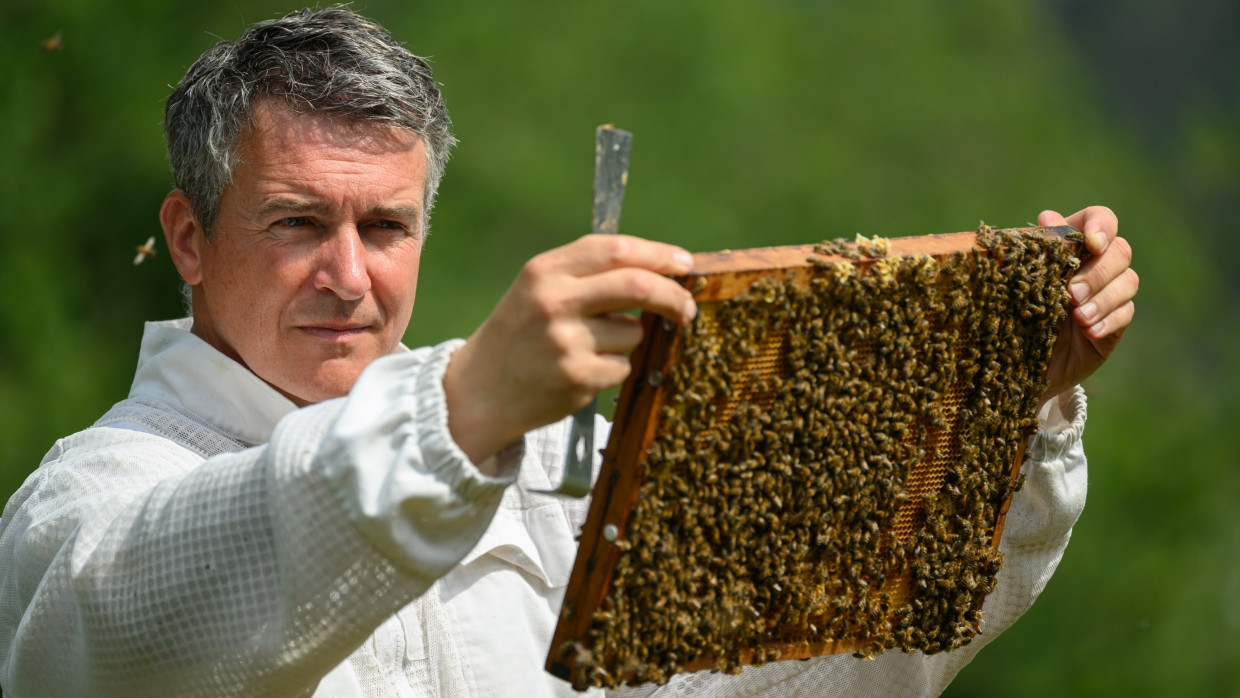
point(558, 337)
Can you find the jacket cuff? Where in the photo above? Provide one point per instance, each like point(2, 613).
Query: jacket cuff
point(399, 475)
point(432, 420)
point(1060, 425)
point(1044, 511)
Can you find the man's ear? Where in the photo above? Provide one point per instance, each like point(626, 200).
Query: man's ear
point(183, 234)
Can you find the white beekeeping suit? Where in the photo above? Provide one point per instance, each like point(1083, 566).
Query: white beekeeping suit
point(207, 538)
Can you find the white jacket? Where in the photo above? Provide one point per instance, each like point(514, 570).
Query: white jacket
point(207, 538)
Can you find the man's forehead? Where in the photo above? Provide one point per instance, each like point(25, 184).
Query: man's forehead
point(276, 123)
point(292, 163)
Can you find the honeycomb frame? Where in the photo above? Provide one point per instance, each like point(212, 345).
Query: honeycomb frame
point(720, 535)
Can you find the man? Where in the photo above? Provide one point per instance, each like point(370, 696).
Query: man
point(291, 503)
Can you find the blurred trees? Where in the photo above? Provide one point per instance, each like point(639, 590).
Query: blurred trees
point(756, 123)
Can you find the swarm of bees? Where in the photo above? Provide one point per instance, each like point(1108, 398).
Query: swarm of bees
point(831, 462)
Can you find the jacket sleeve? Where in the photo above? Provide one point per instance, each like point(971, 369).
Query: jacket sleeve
point(1035, 535)
point(130, 566)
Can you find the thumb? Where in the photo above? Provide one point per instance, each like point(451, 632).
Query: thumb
point(1049, 218)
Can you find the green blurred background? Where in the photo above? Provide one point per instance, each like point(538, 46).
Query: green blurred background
point(756, 123)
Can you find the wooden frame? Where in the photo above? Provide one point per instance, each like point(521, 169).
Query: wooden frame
point(723, 277)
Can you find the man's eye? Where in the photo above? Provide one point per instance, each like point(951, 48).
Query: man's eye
point(293, 221)
point(390, 229)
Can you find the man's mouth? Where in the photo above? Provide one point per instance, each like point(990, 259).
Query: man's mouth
point(335, 332)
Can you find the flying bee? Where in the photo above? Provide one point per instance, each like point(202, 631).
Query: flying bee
point(53, 43)
point(144, 251)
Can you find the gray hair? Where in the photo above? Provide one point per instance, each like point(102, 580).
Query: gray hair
point(332, 62)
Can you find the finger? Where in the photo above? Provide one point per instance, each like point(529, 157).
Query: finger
point(1099, 224)
point(1113, 325)
point(598, 253)
point(620, 290)
point(597, 372)
point(604, 334)
point(1106, 301)
point(1101, 271)
point(614, 333)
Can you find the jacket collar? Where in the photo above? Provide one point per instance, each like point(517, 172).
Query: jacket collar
point(178, 367)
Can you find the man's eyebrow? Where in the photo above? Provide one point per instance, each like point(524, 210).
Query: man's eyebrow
point(410, 212)
point(290, 205)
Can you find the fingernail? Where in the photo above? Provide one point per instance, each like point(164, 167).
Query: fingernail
point(1088, 311)
point(1097, 328)
point(684, 259)
point(1100, 241)
point(1079, 291)
point(690, 310)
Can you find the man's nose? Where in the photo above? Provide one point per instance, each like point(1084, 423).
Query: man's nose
point(342, 265)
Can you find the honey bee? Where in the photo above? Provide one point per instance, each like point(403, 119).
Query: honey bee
point(145, 251)
point(819, 262)
point(53, 43)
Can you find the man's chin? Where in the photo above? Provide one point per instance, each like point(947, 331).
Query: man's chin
point(326, 385)
point(307, 374)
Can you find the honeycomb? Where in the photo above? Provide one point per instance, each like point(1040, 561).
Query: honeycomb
point(819, 463)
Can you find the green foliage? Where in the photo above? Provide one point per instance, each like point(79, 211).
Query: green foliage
point(756, 123)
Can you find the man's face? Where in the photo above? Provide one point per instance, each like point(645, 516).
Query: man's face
point(312, 268)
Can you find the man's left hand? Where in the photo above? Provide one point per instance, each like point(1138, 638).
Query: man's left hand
point(1101, 290)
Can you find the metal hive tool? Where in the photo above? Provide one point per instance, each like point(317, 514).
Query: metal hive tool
point(612, 149)
point(822, 461)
